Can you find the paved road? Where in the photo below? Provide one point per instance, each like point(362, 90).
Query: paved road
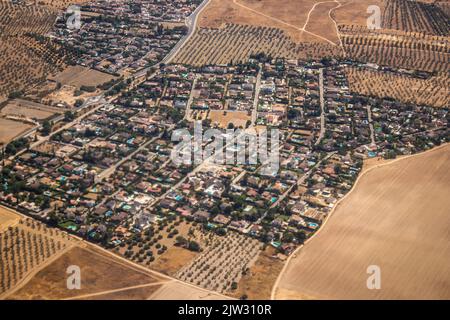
point(187, 114)
point(372, 133)
point(191, 23)
point(256, 100)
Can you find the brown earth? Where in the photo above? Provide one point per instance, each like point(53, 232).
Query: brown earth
point(10, 129)
point(99, 272)
point(259, 280)
point(396, 218)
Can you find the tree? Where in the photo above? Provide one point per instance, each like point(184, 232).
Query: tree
point(68, 116)
point(46, 128)
point(79, 103)
point(194, 246)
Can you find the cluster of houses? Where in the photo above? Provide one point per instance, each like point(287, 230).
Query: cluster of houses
point(110, 176)
point(229, 88)
point(120, 37)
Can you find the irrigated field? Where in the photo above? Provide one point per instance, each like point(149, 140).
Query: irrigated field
point(432, 92)
point(409, 239)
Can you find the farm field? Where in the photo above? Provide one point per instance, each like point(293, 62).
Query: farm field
point(29, 109)
point(237, 118)
point(432, 91)
point(408, 239)
point(397, 49)
point(100, 273)
point(10, 129)
point(26, 247)
point(181, 291)
point(78, 76)
point(7, 218)
point(236, 43)
point(66, 96)
point(221, 263)
point(423, 17)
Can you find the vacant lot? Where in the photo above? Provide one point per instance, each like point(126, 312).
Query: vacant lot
point(237, 118)
point(10, 129)
point(181, 291)
point(396, 218)
point(80, 76)
point(100, 273)
point(258, 281)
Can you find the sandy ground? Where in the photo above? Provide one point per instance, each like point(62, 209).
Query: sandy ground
point(181, 291)
point(238, 118)
point(258, 281)
point(10, 129)
point(396, 218)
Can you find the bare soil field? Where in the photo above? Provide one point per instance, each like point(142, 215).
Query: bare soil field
point(397, 49)
point(236, 43)
point(237, 118)
point(10, 129)
point(232, 30)
point(29, 109)
point(7, 218)
point(66, 95)
point(139, 293)
point(258, 281)
point(432, 92)
point(25, 247)
point(396, 218)
point(81, 76)
point(181, 291)
point(100, 272)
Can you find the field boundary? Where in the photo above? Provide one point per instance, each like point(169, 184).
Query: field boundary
point(362, 174)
